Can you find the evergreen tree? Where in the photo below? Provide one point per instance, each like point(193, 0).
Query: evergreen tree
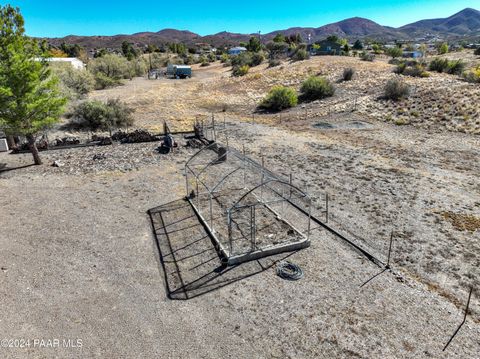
point(358, 45)
point(29, 97)
point(254, 44)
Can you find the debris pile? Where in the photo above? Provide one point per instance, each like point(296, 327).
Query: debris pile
point(136, 136)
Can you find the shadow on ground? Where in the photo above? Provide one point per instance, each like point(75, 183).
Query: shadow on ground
point(4, 168)
point(190, 262)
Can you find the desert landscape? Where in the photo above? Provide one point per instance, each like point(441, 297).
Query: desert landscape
point(104, 247)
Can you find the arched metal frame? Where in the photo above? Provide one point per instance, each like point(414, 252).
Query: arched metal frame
point(254, 183)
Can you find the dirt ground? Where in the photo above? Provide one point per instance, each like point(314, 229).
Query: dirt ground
point(107, 251)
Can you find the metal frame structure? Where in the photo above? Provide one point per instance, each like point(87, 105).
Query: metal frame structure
point(248, 211)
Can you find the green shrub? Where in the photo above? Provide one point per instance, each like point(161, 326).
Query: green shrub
point(279, 98)
point(256, 59)
point(394, 52)
point(315, 88)
point(365, 56)
point(274, 63)
point(444, 65)
point(245, 58)
point(240, 70)
point(74, 83)
point(396, 89)
point(109, 69)
point(442, 48)
point(300, 55)
point(96, 115)
point(412, 68)
point(348, 74)
point(472, 75)
point(224, 58)
point(102, 81)
point(456, 67)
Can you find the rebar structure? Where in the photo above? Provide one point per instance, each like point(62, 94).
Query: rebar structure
point(248, 211)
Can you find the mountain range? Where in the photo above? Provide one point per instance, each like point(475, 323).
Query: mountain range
point(464, 24)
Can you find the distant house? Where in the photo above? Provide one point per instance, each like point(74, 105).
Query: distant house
point(326, 48)
point(412, 54)
point(236, 50)
point(76, 63)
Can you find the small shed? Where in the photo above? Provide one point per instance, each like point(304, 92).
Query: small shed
point(326, 48)
point(236, 50)
point(412, 54)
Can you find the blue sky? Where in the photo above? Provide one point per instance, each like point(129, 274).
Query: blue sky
point(54, 18)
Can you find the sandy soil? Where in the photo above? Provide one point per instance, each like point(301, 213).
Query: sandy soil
point(105, 250)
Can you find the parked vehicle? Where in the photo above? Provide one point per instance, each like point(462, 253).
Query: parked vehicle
point(179, 71)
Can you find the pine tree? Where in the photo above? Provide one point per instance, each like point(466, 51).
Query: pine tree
point(29, 97)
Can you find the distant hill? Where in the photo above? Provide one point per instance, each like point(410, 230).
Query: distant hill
point(466, 23)
point(355, 27)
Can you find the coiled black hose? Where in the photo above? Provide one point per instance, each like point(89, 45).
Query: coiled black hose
point(289, 271)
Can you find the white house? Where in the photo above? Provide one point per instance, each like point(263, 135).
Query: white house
point(76, 63)
point(236, 50)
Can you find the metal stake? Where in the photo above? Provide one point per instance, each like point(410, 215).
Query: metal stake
point(463, 321)
point(389, 251)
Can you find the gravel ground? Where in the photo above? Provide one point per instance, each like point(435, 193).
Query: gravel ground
point(81, 261)
point(82, 258)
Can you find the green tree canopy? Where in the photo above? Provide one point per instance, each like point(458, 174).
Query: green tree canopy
point(30, 100)
point(254, 44)
point(358, 45)
point(394, 52)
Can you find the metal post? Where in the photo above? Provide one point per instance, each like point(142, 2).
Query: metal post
point(389, 250)
point(252, 225)
point(464, 319)
point(186, 182)
point(198, 194)
point(263, 177)
point(213, 128)
point(229, 220)
point(309, 217)
point(290, 181)
point(326, 206)
point(244, 167)
point(211, 213)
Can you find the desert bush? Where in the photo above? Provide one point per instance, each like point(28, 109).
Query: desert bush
point(394, 52)
point(412, 68)
point(395, 61)
point(315, 88)
point(256, 59)
point(396, 89)
point(456, 67)
point(245, 58)
point(109, 70)
point(274, 63)
point(96, 115)
point(442, 48)
point(224, 58)
point(438, 65)
point(365, 56)
point(279, 98)
point(240, 70)
point(444, 65)
point(477, 51)
point(205, 64)
point(73, 82)
point(348, 74)
point(472, 75)
point(300, 55)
